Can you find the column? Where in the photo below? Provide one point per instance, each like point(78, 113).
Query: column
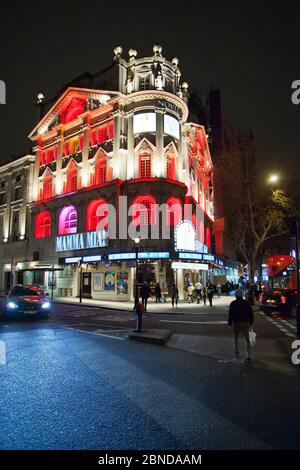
point(159, 164)
point(85, 152)
point(180, 283)
point(132, 163)
point(179, 166)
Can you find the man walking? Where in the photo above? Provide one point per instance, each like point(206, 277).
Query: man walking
point(210, 292)
point(240, 316)
point(174, 295)
point(145, 291)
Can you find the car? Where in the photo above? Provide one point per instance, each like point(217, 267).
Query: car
point(278, 300)
point(26, 302)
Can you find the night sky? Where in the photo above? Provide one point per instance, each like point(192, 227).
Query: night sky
point(250, 50)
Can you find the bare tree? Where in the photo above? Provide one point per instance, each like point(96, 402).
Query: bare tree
point(254, 213)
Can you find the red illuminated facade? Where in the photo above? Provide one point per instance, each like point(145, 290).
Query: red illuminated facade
point(96, 145)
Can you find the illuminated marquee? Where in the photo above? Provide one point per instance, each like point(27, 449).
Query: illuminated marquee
point(81, 241)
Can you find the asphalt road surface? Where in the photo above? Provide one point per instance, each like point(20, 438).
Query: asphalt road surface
point(75, 382)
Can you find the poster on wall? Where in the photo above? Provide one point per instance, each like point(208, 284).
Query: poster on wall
point(109, 281)
point(122, 283)
point(98, 281)
point(51, 279)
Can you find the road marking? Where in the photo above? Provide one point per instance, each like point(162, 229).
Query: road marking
point(216, 322)
point(2, 353)
point(91, 332)
point(281, 326)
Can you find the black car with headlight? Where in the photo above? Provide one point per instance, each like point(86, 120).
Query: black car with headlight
point(26, 302)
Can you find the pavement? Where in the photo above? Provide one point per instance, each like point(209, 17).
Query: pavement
point(152, 307)
point(74, 382)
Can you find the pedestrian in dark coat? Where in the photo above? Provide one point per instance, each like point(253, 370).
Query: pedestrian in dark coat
point(157, 291)
point(210, 292)
point(240, 316)
point(145, 292)
point(174, 293)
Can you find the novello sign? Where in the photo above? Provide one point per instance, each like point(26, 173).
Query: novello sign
point(81, 241)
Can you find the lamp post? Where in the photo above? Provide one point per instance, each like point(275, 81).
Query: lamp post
point(136, 287)
point(137, 306)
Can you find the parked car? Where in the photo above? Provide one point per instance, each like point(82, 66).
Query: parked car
point(26, 302)
point(278, 300)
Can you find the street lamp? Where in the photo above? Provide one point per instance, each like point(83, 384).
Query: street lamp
point(273, 178)
point(136, 288)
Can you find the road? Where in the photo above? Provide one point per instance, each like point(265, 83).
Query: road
point(75, 382)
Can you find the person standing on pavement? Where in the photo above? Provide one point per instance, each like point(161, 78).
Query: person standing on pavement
point(198, 287)
point(240, 316)
point(157, 291)
point(219, 289)
point(190, 293)
point(145, 291)
point(210, 292)
point(174, 293)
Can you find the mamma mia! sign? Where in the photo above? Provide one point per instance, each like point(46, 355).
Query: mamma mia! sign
point(81, 241)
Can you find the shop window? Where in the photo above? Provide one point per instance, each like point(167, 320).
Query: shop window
point(97, 215)
point(145, 165)
point(67, 220)
point(174, 212)
point(43, 225)
point(144, 211)
point(170, 167)
point(101, 170)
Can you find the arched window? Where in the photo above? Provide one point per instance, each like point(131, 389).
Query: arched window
point(207, 237)
point(97, 215)
point(145, 164)
point(171, 166)
point(43, 225)
point(101, 170)
point(72, 178)
point(174, 212)
point(67, 220)
point(144, 211)
point(47, 192)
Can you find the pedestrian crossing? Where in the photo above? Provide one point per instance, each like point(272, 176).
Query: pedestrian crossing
point(285, 326)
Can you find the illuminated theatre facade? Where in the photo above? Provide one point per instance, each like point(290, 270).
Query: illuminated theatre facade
point(132, 146)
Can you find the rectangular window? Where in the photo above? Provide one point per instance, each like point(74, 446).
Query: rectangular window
point(17, 194)
point(2, 198)
point(145, 166)
point(145, 82)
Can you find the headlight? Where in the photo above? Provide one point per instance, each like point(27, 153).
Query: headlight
point(46, 305)
point(12, 305)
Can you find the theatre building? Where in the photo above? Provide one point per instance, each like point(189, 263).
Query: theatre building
point(115, 157)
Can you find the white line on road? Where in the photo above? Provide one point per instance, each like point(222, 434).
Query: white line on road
point(216, 322)
point(90, 332)
point(2, 353)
